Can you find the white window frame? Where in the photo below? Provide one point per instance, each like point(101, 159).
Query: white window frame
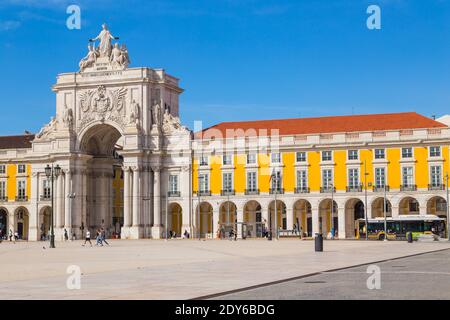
point(375, 154)
point(322, 153)
point(302, 161)
point(280, 158)
point(358, 182)
point(375, 176)
point(252, 154)
point(24, 166)
point(44, 181)
point(430, 180)
point(434, 156)
point(227, 155)
point(177, 184)
point(348, 155)
point(5, 182)
point(280, 180)
point(232, 181)
point(19, 181)
point(413, 175)
point(412, 153)
point(297, 178)
point(247, 180)
point(322, 177)
point(207, 184)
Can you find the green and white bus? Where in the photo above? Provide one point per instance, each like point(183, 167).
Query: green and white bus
point(399, 226)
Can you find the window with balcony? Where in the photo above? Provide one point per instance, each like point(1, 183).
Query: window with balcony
point(21, 168)
point(275, 157)
point(407, 153)
point(2, 169)
point(302, 181)
point(252, 185)
point(203, 182)
point(407, 178)
point(380, 178)
point(2, 190)
point(301, 156)
point(380, 154)
point(352, 154)
point(227, 160)
point(327, 180)
point(435, 177)
point(353, 180)
point(227, 182)
point(251, 158)
point(435, 151)
point(46, 190)
point(275, 182)
point(174, 190)
point(327, 156)
point(21, 190)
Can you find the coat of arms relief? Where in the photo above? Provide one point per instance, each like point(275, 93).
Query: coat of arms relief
point(101, 105)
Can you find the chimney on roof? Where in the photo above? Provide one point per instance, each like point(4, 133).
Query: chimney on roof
point(27, 132)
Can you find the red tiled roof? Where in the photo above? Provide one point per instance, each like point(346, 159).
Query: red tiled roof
point(16, 142)
point(333, 124)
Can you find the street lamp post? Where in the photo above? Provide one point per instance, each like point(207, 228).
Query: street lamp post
point(447, 206)
point(366, 218)
point(332, 212)
point(385, 214)
point(52, 173)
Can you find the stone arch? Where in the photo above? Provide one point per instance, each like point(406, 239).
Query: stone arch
point(4, 220)
point(377, 208)
point(281, 215)
point(175, 219)
point(204, 219)
point(44, 222)
point(253, 219)
point(325, 221)
point(302, 216)
point(21, 222)
point(227, 213)
point(437, 205)
point(99, 139)
point(354, 210)
point(408, 205)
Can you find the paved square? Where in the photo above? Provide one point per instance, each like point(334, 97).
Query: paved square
point(177, 269)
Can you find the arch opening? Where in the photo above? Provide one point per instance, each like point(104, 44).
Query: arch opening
point(303, 218)
point(253, 219)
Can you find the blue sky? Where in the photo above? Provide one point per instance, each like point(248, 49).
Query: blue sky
point(239, 59)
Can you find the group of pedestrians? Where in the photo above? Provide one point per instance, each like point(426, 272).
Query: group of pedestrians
point(13, 237)
point(99, 240)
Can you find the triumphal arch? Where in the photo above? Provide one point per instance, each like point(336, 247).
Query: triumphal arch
point(109, 115)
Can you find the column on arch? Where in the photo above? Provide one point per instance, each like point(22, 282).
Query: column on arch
point(68, 201)
point(156, 229)
point(33, 233)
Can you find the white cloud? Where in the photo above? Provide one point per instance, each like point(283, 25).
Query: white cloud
point(9, 25)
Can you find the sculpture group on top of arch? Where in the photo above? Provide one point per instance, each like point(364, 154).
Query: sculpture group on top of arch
point(106, 53)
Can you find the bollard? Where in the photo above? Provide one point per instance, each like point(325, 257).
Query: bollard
point(318, 242)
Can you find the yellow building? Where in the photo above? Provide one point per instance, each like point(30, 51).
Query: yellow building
point(241, 167)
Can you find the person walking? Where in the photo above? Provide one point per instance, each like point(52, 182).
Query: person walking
point(10, 235)
point(98, 239)
point(103, 236)
point(66, 235)
point(88, 238)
